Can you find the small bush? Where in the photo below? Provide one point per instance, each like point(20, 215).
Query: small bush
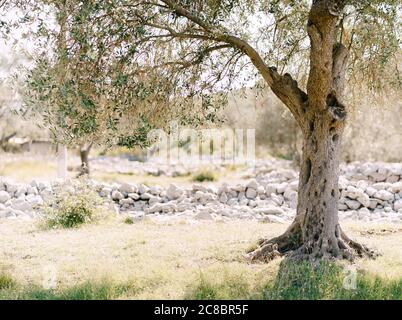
point(128, 220)
point(6, 281)
point(72, 206)
point(204, 176)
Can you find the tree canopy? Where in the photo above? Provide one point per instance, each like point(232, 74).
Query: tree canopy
point(117, 65)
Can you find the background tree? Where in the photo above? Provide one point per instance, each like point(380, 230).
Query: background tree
point(190, 50)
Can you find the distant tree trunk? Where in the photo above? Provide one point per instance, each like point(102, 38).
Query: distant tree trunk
point(84, 155)
point(4, 140)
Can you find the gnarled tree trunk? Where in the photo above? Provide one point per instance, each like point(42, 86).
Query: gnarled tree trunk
point(315, 233)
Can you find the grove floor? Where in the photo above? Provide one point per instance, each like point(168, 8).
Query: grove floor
point(164, 260)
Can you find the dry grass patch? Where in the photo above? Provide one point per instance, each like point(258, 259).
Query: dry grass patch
point(163, 261)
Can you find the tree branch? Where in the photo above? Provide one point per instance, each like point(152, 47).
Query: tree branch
point(283, 86)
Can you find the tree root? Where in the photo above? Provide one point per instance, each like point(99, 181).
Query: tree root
point(340, 246)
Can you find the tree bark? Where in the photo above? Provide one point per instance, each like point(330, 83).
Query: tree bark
point(84, 155)
point(315, 233)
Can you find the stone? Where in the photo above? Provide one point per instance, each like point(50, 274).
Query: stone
point(364, 199)
point(272, 219)
point(154, 200)
point(105, 192)
point(126, 202)
point(381, 185)
point(34, 200)
point(352, 204)
point(142, 189)
point(203, 215)
point(134, 196)
point(127, 188)
point(277, 199)
point(363, 213)
point(354, 193)
point(252, 203)
point(269, 210)
point(155, 190)
point(281, 187)
point(251, 193)
point(117, 195)
point(398, 205)
point(384, 195)
point(223, 197)
point(392, 179)
point(294, 185)
point(4, 196)
point(371, 191)
point(252, 184)
point(173, 192)
point(396, 187)
point(270, 188)
point(145, 196)
point(290, 194)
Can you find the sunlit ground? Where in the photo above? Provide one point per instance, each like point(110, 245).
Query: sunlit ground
point(165, 261)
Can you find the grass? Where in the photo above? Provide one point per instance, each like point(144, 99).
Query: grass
point(204, 176)
point(295, 281)
point(26, 170)
point(177, 260)
point(301, 281)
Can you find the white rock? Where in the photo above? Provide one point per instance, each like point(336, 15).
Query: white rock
point(251, 193)
point(4, 196)
point(269, 210)
point(154, 200)
point(272, 219)
point(128, 188)
point(352, 204)
point(398, 205)
point(142, 189)
point(173, 192)
point(290, 194)
point(384, 195)
point(277, 199)
point(270, 188)
point(146, 196)
point(396, 187)
point(371, 191)
point(223, 197)
point(363, 213)
point(105, 192)
point(252, 184)
point(204, 215)
point(126, 202)
point(281, 187)
point(364, 199)
point(134, 196)
point(117, 195)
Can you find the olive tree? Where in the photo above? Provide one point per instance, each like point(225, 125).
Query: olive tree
point(308, 53)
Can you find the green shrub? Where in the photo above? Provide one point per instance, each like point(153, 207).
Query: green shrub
point(128, 220)
point(204, 176)
point(6, 281)
point(71, 207)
